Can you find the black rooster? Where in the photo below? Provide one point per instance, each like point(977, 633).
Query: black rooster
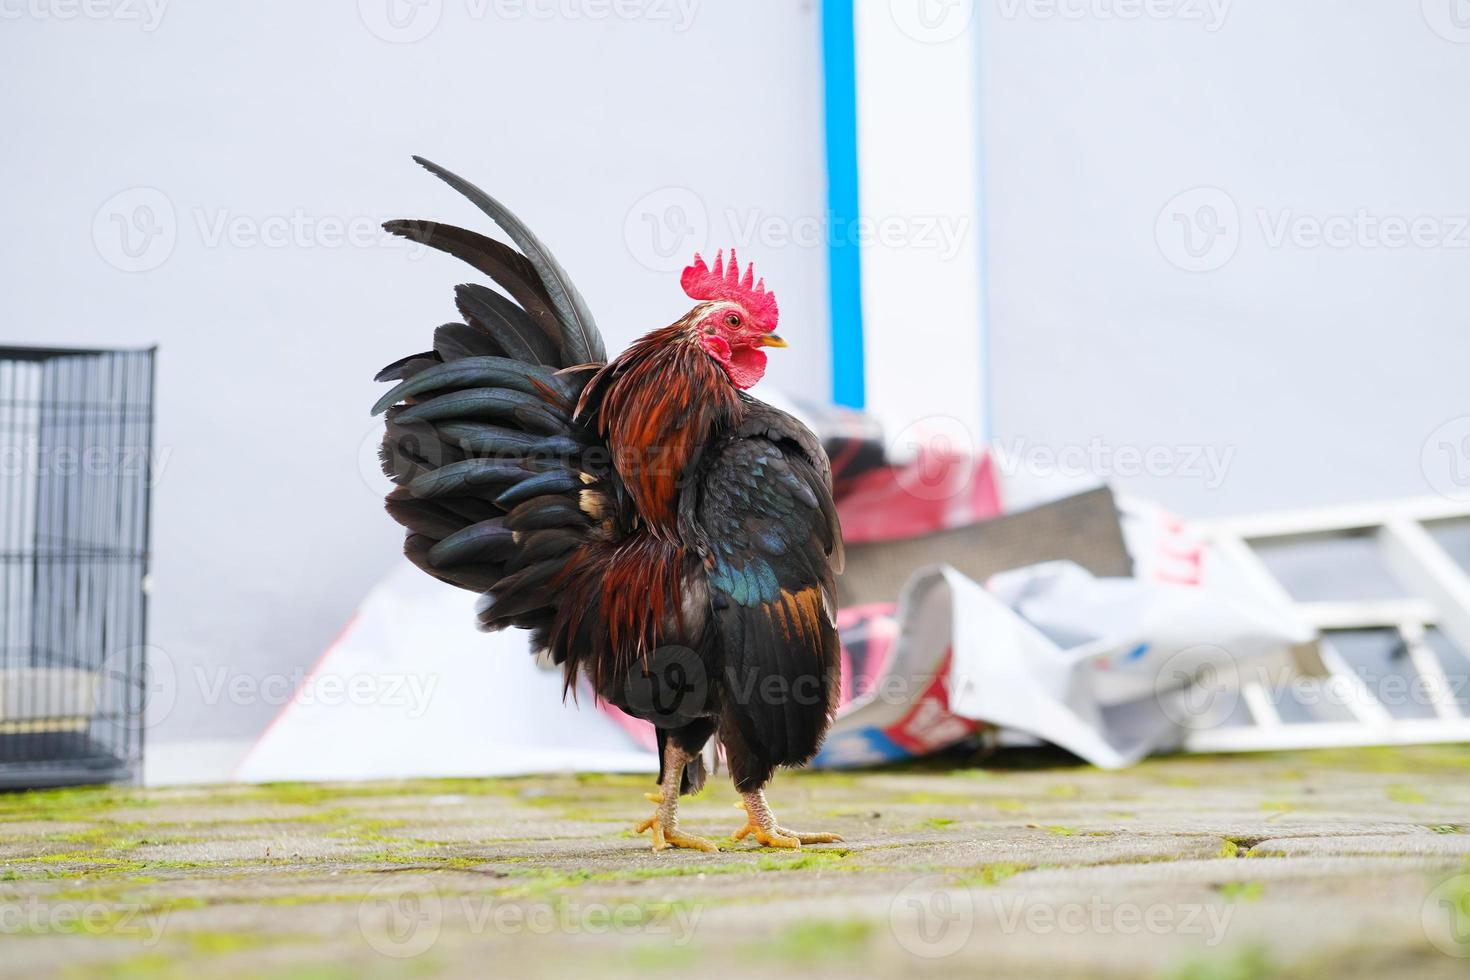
point(660, 531)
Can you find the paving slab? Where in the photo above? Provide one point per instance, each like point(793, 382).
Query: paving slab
point(1331, 864)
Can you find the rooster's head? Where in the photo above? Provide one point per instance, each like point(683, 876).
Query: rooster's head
point(735, 318)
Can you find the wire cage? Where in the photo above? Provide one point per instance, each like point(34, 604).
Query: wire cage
point(76, 450)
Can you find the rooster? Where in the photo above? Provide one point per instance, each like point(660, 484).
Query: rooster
point(666, 537)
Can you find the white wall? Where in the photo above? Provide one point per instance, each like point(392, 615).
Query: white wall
point(266, 535)
point(1324, 370)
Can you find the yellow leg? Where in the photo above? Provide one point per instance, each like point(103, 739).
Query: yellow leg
point(664, 824)
point(760, 822)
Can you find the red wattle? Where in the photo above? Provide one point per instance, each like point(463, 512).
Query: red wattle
point(744, 365)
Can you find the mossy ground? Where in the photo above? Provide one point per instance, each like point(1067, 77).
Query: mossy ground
point(1299, 864)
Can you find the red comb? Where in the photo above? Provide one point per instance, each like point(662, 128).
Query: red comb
point(722, 282)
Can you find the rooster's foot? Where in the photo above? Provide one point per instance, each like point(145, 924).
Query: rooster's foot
point(760, 822)
point(665, 828)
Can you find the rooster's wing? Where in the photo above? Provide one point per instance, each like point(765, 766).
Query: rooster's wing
point(762, 519)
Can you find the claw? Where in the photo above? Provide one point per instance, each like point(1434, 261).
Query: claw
point(769, 834)
point(665, 835)
point(677, 838)
point(769, 838)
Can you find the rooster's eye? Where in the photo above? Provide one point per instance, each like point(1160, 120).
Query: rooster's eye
point(732, 320)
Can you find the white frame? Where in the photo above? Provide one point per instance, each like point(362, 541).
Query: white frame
point(1416, 559)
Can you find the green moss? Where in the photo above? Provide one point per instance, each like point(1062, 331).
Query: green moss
point(313, 795)
point(930, 798)
point(1241, 891)
point(1405, 794)
point(1228, 848)
point(1417, 759)
point(526, 882)
point(170, 864)
point(414, 857)
point(818, 941)
point(671, 871)
point(801, 860)
point(616, 780)
point(145, 966)
point(369, 830)
point(824, 779)
point(1250, 963)
point(311, 898)
point(104, 834)
point(69, 805)
point(89, 861)
point(992, 874)
point(218, 943)
point(126, 893)
point(664, 958)
point(938, 823)
point(10, 874)
point(329, 971)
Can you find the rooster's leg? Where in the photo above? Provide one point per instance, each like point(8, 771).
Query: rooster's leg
point(762, 823)
point(665, 820)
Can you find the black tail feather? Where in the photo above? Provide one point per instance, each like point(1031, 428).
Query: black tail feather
point(408, 366)
point(491, 312)
point(503, 264)
point(500, 490)
point(582, 342)
point(458, 341)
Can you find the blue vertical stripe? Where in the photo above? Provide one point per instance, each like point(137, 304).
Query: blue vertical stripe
point(845, 273)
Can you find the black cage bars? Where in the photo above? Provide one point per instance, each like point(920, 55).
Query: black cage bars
point(76, 473)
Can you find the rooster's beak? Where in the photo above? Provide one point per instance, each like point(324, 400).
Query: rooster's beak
point(771, 340)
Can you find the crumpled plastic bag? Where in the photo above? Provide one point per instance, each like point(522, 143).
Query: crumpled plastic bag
point(1109, 669)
